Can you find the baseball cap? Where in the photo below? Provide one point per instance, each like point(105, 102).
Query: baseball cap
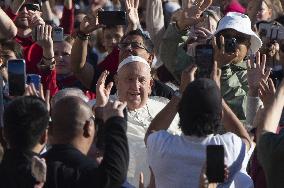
point(241, 23)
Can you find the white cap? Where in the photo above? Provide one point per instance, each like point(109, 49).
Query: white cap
point(131, 59)
point(242, 24)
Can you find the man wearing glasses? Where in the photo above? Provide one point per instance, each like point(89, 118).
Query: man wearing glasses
point(135, 43)
point(26, 15)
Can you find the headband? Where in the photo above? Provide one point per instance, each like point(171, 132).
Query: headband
point(131, 59)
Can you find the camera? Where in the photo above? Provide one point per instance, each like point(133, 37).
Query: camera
point(230, 45)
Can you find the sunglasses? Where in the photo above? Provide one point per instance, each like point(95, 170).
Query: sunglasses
point(134, 45)
point(30, 6)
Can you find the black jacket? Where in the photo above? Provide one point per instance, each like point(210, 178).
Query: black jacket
point(15, 170)
point(68, 167)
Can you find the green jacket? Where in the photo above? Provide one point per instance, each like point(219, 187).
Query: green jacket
point(234, 84)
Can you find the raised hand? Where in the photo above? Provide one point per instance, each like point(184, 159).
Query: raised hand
point(132, 13)
point(191, 14)
point(187, 77)
point(44, 37)
point(220, 56)
point(113, 109)
point(102, 91)
point(256, 73)
point(216, 74)
point(267, 92)
point(35, 19)
point(90, 22)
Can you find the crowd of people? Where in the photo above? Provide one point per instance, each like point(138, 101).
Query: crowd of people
point(123, 102)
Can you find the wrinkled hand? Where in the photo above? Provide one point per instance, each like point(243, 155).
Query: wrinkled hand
point(220, 56)
point(38, 169)
point(256, 72)
point(187, 76)
point(132, 12)
point(35, 19)
point(113, 109)
point(267, 92)
point(216, 74)
point(90, 22)
point(191, 14)
point(44, 37)
point(102, 91)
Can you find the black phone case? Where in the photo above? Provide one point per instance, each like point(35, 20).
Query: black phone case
point(112, 18)
point(215, 163)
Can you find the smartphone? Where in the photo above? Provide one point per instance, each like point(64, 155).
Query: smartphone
point(57, 34)
point(35, 79)
point(215, 163)
point(112, 18)
point(204, 58)
point(16, 77)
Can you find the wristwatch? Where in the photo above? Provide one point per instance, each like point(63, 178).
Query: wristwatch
point(177, 93)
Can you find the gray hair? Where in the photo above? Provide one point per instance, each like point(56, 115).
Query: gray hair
point(67, 92)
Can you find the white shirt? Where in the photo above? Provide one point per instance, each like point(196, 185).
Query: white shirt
point(137, 125)
point(177, 161)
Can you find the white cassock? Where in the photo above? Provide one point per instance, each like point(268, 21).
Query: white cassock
point(138, 123)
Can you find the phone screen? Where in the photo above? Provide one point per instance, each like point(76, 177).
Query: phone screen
point(112, 18)
point(35, 79)
point(204, 60)
point(215, 163)
point(57, 34)
point(16, 77)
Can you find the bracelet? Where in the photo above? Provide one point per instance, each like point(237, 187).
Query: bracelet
point(48, 59)
point(43, 66)
point(82, 36)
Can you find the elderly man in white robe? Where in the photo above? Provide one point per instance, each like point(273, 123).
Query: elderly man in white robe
point(133, 82)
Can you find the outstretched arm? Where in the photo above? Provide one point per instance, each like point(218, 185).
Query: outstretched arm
point(7, 27)
point(164, 118)
point(84, 71)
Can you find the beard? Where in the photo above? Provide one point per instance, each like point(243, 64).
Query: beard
point(22, 23)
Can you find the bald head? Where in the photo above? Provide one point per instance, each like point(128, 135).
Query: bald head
point(69, 116)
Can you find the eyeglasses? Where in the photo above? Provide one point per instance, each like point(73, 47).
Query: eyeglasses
point(30, 6)
point(134, 45)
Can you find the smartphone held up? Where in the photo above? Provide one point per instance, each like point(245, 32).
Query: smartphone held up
point(215, 167)
point(112, 18)
point(16, 77)
point(204, 59)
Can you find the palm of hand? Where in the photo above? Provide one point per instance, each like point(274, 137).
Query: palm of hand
point(255, 75)
point(133, 15)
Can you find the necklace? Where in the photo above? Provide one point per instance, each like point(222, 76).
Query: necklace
point(141, 117)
